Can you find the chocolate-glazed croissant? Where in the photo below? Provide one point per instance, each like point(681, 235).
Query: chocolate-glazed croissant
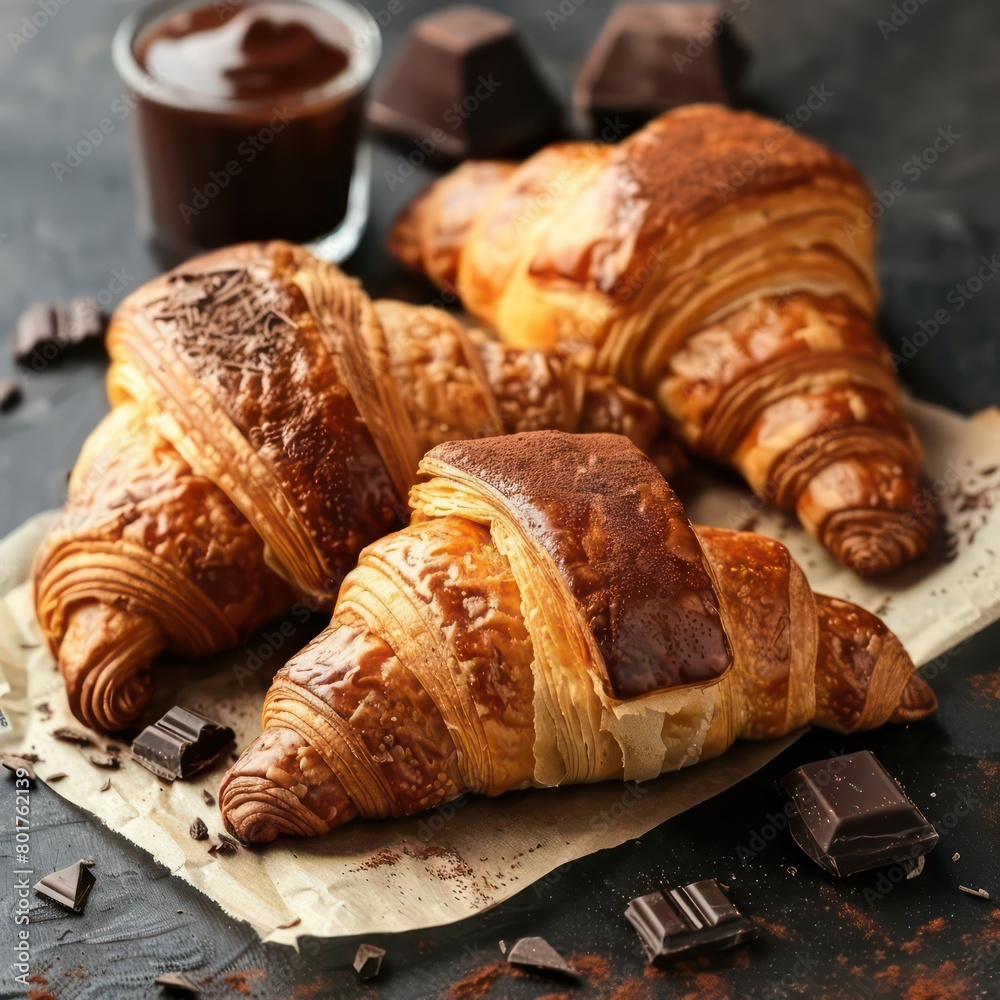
point(550, 616)
point(713, 262)
point(267, 421)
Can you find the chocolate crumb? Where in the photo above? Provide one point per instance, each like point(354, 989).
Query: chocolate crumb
point(913, 866)
point(207, 796)
point(288, 926)
point(198, 829)
point(76, 736)
point(980, 893)
point(58, 776)
point(14, 763)
point(106, 760)
point(106, 785)
point(224, 848)
point(955, 856)
point(10, 394)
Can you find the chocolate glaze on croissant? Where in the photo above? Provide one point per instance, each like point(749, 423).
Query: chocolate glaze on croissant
point(550, 616)
point(713, 263)
point(267, 420)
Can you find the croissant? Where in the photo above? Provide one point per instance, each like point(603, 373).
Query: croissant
point(266, 421)
point(713, 262)
point(550, 616)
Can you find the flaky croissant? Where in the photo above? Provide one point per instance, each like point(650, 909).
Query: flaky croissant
point(267, 421)
point(714, 262)
point(550, 616)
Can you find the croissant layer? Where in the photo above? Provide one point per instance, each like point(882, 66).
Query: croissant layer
point(267, 420)
point(710, 262)
point(550, 616)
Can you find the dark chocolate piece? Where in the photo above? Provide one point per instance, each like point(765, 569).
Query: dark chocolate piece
point(70, 886)
point(13, 763)
point(46, 330)
point(368, 960)
point(224, 848)
point(181, 744)
point(537, 954)
point(851, 815)
point(208, 797)
point(108, 760)
point(77, 736)
point(198, 829)
point(178, 981)
point(650, 58)
point(10, 394)
point(688, 920)
point(465, 84)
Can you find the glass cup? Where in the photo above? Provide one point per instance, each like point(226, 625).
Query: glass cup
point(211, 170)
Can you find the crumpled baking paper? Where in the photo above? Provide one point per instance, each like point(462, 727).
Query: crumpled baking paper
point(451, 863)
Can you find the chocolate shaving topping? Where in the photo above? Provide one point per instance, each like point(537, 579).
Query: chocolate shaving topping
point(106, 785)
point(913, 866)
point(224, 848)
point(14, 764)
point(58, 776)
point(198, 829)
point(208, 797)
point(537, 954)
point(68, 887)
point(288, 926)
point(368, 960)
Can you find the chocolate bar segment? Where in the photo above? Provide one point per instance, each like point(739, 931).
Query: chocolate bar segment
point(181, 744)
point(465, 84)
point(537, 954)
point(68, 887)
point(688, 920)
point(850, 815)
point(650, 58)
point(46, 329)
point(368, 960)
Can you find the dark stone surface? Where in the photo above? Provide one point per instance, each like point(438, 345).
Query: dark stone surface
point(820, 937)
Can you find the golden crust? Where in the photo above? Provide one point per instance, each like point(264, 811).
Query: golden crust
point(621, 541)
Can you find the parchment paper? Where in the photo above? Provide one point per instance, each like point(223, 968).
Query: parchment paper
point(449, 864)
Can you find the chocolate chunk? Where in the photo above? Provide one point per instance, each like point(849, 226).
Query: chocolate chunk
point(69, 887)
point(181, 744)
point(208, 797)
point(108, 760)
point(178, 981)
point(686, 921)
point(46, 330)
point(537, 954)
point(10, 394)
point(14, 764)
point(850, 815)
point(224, 848)
point(650, 58)
point(368, 961)
point(465, 84)
point(198, 829)
point(77, 736)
